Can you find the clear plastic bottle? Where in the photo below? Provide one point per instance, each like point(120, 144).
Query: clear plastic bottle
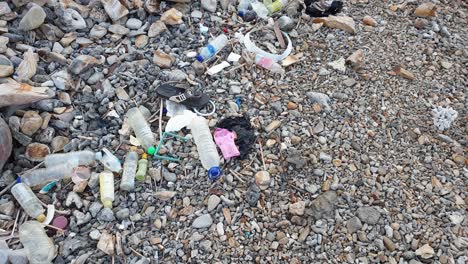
point(109, 160)
point(40, 176)
point(142, 130)
point(142, 168)
point(260, 9)
point(106, 188)
point(275, 6)
point(244, 5)
point(212, 48)
point(28, 201)
point(40, 248)
point(269, 64)
point(84, 158)
point(206, 147)
point(127, 182)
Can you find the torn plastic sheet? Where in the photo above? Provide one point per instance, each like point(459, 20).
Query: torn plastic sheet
point(276, 57)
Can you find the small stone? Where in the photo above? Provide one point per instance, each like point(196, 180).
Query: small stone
point(389, 244)
point(7, 208)
point(425, 252)
point(6, 67)
point(97, 32)
point(285, 23)
point(235, 89)
point(172, 17)
point(291, 106)
point(356, 60)
point(33, 19)
point(37, 151)
point(263, 179)
point(3, 43)
point(341, 22)
point(297, 208)
point(118, 29)
point(213, 202)
point(62, 80)
point(349, 82)
point(368, 215)
point(106, 215)
point(369, 21)
point(157, 223)
point(353, 225)
point(94, 208)
point(165, 195)
point(156, 29)
point(162, 59)
point(82, 63)
point(338, 65)
point(31, 122)
point(106, 243)
point(202, 221)
point(196, 14)
point(114, 9)
point(58, 143)
point(446, 65)
point(134, 23)
point(95, 234)
point(141, 41)
point(273, 125)
point(420, 23)
point(177, 75)
point(324, 205)
point(425, 10)
point(72, 19)
point(209, 5)
point(400, 71)
point(4, 8)
point(122, 214)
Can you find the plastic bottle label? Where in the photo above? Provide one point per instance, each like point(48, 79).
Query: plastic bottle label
point(265, 62)
point(211, 49)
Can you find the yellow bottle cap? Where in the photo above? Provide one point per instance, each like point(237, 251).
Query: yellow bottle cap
point(107, 204)
point(41, 218)
point(144, 156)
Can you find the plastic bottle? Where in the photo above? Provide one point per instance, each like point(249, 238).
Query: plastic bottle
point(40, 248)
point(260, 9)
point(269, 64)
point(206, 147)
point(127, 182)
point(243, 6)
point(142, 168)
point(40, 176)
point(275, 6)
point(142, 130)
point(106, 188)
point(109, 160)
point(28, 201)
point(84, 158)
point(212, 48)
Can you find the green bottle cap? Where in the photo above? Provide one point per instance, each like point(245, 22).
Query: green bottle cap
point(151, 150)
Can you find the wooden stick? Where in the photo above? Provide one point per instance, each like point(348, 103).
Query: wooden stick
point(261, 154)
point(134, 251)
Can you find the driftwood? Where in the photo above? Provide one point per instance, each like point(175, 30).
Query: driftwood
point(14, 93)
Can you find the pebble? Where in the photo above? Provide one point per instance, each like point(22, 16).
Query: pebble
point(133, 23)
point(30, 123)
point(353, 225)
point(324, 205)
point(209, 5)
point(368, 215)
point(32, 19)
point(202, 221)
point(213, 202)
point(95, 234)
point(37, 151)
point(297, 208)
point(122, 214)
point(106, 215)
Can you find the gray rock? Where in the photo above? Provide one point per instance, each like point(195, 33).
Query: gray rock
point(95, 234)
point(202, 221)
point(82, 218)
point(177, 75)
point(169, 176)
point(106, 215)
point(209, 5)
point(253, 194)
point(119, 29)
point(213, 202)
point(32, 19)
point(235, 89)
point(323, 206)
point(133, 23)
point(73, 20)
point(286, 23)
point(353, 225)
point(122, 214)
point(97, 32)
point(196, 14)
point(369, 215)
point(94, 208)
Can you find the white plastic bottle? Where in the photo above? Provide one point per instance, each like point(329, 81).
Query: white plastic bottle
point(109, 160)
point(127, 183)
point(83, 158)
point(28, 201)
point(269, 64)
point(260, 9)
point(40, 176)
point(212, 48)
point(206, 147)
point(40, 248)
point(142, 130)
point(106, 188)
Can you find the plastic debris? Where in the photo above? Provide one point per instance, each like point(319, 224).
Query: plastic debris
point(109, 160)
point(323, 8)
point(84, 157)
point(269, 64)
point(212, 48)
point(176, 123)
point(275, 6)
point(40, 249)
point(233, 57)
point(80, 173)
point(206, 147)
point(164, 136)
point(245, 137)
point(142, 168)
point(225, 141)
point(106, 188)
point(28, 201)
point(142, 130)
point(217, 68)
point(275, 57)
point(444, 117)
point(45, 175)
point(127, 183)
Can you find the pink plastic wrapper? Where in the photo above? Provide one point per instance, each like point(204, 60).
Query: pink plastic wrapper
point(225, 141)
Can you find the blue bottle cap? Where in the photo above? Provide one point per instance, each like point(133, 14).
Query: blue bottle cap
point(240, 13)
point(214, 173)
point(199, 58)
point(18, 180)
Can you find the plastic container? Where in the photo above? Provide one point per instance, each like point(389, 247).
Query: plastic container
point(28, 201)
point(275, 6)
point(40, 248)
point(206, 147)
point(45, 175)
point(260, 9)
point(142, 168)
point(109, 160)
point(142, 130)
point(84, 158)
point(243, 6)
point(106, 188)
point(212, 48)
point(269, 64)
point(127, 182)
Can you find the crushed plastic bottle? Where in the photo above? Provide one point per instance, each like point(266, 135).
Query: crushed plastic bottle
point(243, 6)
point(106, 188)
point(109, 160)
point(142, 130)
point(83, 158)
point(127, 182)
point(212, 48)
point(275, 6)
point(40, 248)
point(28, 201)
point(269, 64)
point(260, 9)
point(142, 168)
point(45, 175)
point(206, 147)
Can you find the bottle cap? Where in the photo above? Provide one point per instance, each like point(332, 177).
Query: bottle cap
point(240, 13)
point(151, 150)
point(144, 156)
point(199, 58)
point(41, 218)
point(214, 173)
point(107, 204)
